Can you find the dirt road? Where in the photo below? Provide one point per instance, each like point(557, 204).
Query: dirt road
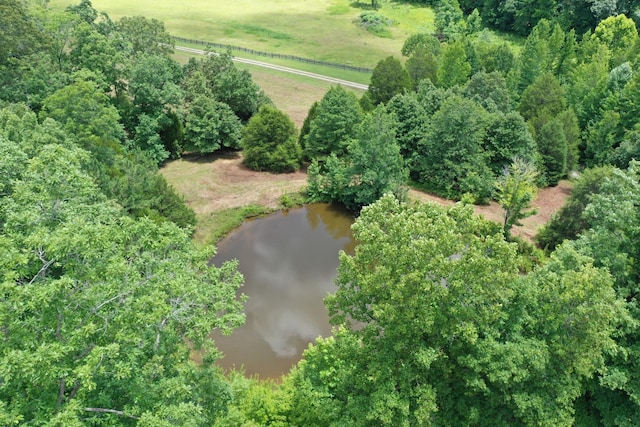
point(283, 69)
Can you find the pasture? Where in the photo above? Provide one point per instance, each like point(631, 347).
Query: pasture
point(326, 30)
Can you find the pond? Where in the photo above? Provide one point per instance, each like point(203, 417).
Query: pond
point(289, 261)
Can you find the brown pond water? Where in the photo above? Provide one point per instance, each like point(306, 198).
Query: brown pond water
point(289, 262)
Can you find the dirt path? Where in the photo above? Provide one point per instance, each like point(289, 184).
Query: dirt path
point(212, 183)
point(283, 69)
point(548, 201)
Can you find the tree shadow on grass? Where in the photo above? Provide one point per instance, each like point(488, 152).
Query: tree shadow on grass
point(210, 157)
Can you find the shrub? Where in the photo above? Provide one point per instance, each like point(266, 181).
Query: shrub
point(269, 142)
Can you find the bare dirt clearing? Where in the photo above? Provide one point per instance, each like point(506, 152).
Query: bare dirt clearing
point(217, 182)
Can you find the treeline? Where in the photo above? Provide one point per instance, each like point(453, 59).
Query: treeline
point(459, 111)
point(521, 17)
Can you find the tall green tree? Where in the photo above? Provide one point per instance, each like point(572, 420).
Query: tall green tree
point(508, 137)
point(552, 146)
point(490, 91)
point(20, 34)
point(612, 239)
point(569, 222)
point(453, 67)
point(139, 35)
point(87, 115)
point(411, 124)
point(157, 99)
point(422, 65)
point(372, 167)
point(230, 85)
point(336, 122)
point(211, 125)
point(100, 311)
point(388, 79)
point(544, 96)
point(452, 160)
point(619, 34)
point(516, 189)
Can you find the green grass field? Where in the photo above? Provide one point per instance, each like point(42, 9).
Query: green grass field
point(320, 29)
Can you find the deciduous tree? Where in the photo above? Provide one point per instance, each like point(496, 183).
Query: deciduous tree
point(516, 189)
point(448, 332)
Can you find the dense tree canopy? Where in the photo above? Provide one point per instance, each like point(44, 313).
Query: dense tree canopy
point(100, 310)
point(461, 338)
point(372, 166)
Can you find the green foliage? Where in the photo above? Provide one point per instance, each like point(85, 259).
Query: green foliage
point(619, 34)
point(449, 20)
point(552, 145)
point(422, 65)
point(375, 23)
point(410, 117)
point(100, 310)
point(546, 50)
point(388, 79)
point(612, 239)
point(507, 138)
point(306, 125)
point(210, 126)
point(436, 295)
point(569, 221)
point(516, 189)
point(543, 96)
point(490, 91)
point(336, 122)
point(134, 183)
point(157, 95)
point(372, 167)
point(140, 35)
point(453, 67)
point(269, 142)
point(601, 139)
point(452, 160)
point(420, 41)
point(86, 114)
point(21, 34)
point(255, 403)
point(228, 84)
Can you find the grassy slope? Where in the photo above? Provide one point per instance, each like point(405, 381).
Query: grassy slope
point(318, 29)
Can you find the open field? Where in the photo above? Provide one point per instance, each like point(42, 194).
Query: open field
point(318, 29)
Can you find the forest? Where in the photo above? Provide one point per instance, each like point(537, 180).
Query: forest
point(440, 317)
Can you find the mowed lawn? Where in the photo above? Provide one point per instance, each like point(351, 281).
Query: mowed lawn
point(325, 30)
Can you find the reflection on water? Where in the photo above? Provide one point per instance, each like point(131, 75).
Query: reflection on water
point(289, 262)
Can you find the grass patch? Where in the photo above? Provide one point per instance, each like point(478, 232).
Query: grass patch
point(258, 31)
point(292, 200)
point(339, 7)
point(339, 73)
point(322, 29)
point(215, 225)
